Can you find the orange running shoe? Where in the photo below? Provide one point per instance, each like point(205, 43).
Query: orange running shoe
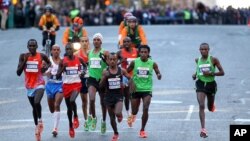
point(71, 132)
point(203, 133)
point(37, 134)
point(143, 134)
point(76, 123)
point(40, 126)
point(115, 137)
point(213, 108)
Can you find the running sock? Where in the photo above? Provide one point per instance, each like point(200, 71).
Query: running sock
point(56, 119)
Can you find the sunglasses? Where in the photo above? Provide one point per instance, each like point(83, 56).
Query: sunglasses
point(68, 48)
point(32, 45)
point(56, 49)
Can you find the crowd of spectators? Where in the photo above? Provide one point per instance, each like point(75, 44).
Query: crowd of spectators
point(28, 14)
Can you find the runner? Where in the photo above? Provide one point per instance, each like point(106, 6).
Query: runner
point(71, 65)
point(126, 55)
point(54, 87)
point(82, 53)
point(31, 64)
point(112, 82)
point(206, 85)
point(96, 65)
point(143, 82)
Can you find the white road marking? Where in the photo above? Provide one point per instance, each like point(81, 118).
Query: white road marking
point(14, 126)
point(190, 111)
point(4, 88)
point(242, 82)
point(243, 101)
point(20, 88)
point(165, 102)
point(7, 101)
point(173, 92)
point(242, 120)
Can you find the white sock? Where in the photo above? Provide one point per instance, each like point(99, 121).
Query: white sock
point(56, 119)
point(128, 113)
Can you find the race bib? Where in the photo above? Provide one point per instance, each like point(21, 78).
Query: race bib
point(95, 63)
point(204, 68)
point(71, 70)
point(143, 72)
point(114, 83)
point(32, 66)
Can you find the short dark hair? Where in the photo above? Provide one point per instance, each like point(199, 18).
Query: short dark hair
point(206, 44)
point(31, 40)
point(144, 46)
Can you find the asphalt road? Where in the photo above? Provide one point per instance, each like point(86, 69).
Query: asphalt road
point(174, 108)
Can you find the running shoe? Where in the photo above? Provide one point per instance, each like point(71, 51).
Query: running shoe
point(54, 132)
point(89, 120)
point(71, 132)
point(203, 133)
point(133, 118)
point(93, 124)
point(76, 123)
point(143, 134)
point(37, 134)
point(213, 108)
point(86, 126)
point(40, 126)
point(103, 127)
point(119, 119)
point(115, 137)
point(130, 120)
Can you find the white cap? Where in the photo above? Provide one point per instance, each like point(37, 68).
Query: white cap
point(98, 35)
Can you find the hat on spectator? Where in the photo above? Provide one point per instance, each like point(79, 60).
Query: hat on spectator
point(78, 20)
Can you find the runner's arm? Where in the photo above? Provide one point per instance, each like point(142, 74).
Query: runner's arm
point(125, 73)
point(84, 66)
point(102, 83)
point(47, 61)
point(157, 71)
point(21, 64)
point(194, 75)
point(131, 66)
point(60, 69)
point(218, 65)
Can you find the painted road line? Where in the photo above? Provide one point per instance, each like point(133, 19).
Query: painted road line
point(173, 92)
point(242, 120)
point(190, 111)
point(6, 127)
point(243, 101)
point(7, 101)
point(165, 102)
point(5, 88)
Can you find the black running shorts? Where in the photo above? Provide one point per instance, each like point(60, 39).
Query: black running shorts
point(207, 88)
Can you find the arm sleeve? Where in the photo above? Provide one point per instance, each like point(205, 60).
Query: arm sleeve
point(142, 36)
